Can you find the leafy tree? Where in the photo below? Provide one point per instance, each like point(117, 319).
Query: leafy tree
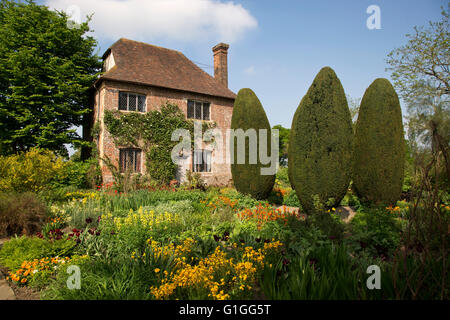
point(46, 69)
point(283, 143)
point(421, 67)
point(420, 70)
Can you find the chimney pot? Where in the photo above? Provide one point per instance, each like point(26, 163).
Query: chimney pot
point(221, 63)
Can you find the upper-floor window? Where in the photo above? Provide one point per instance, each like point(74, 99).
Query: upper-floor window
point(130, 160)
point(131, 101)
point(198, 110)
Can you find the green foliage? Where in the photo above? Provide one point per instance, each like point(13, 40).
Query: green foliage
point(34, 170)
point(80, 174)
point(46, 70)
point(321, 142)
point(291, 199)
point(282, 177)
point(248, 113)
point(375, 230)
point(421, 76)
point(40, 169)
point(194, 180)
point(284, 134)
point(421, 66)
point(151, 132)
point(19, 249)
point(100, 280)
point(21, 213)
point(326, 273)
point(379, 154)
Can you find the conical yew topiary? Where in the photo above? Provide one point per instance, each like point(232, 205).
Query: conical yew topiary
point(321, 143)
point(248, 113)
point(379, 154)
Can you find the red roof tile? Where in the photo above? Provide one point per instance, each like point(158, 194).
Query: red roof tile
point(142, 63)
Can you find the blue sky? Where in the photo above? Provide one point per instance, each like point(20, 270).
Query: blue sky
point(276, 47)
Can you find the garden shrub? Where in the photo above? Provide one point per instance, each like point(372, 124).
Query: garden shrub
point(80, 174)
point(379, 154)
point(321, 142)
point(291, 199)
point(375, 230)
point(40, 169)
point(283, 177)
point(29, 171)
point(20, 249)
point(248, 113)
point(21, 213)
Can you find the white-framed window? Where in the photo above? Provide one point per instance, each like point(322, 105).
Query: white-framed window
point(129, 101)
point(201, 161)
point(130, 159)
point(198, 110)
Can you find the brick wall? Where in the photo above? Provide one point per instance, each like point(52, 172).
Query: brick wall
point(107, 99)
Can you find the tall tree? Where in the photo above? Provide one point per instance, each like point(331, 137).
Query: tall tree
point(321, 143)
point(420, 70)
point(46, 68)
point(421, 67)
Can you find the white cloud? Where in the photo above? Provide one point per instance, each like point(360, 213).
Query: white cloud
point(249, 70)
point(163, 19)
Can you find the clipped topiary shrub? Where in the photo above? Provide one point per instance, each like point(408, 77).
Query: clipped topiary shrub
point(321, 143)
point(248, 113)
point(379, 154)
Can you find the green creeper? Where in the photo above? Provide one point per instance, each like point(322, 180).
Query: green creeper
point(379, 155)
point(248, 113)
point(321, 143)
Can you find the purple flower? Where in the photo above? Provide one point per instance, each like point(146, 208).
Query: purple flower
point(88, 220)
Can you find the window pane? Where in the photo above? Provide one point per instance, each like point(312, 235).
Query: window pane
point(206, 111)
point(198, 110)
point(122, 160)
point(137, 167)
point(207, 157)
point(197, 163)
point(202, 161)
point(123, 100)
point(190, 110)
point(141, 103)
point(132, 102)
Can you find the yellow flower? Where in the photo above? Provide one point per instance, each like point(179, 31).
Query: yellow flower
point(157, 270)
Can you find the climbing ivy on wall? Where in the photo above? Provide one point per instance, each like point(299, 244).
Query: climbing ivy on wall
point(151, 132)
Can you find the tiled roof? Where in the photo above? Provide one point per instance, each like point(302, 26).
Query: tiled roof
point(142, 63)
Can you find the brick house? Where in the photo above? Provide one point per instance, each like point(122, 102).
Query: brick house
point(140, 77)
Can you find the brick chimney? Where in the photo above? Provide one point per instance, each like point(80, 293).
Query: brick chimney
point(220, 63)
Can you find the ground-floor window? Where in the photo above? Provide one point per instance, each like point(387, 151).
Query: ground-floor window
point(202, 161)
point(130, 159)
